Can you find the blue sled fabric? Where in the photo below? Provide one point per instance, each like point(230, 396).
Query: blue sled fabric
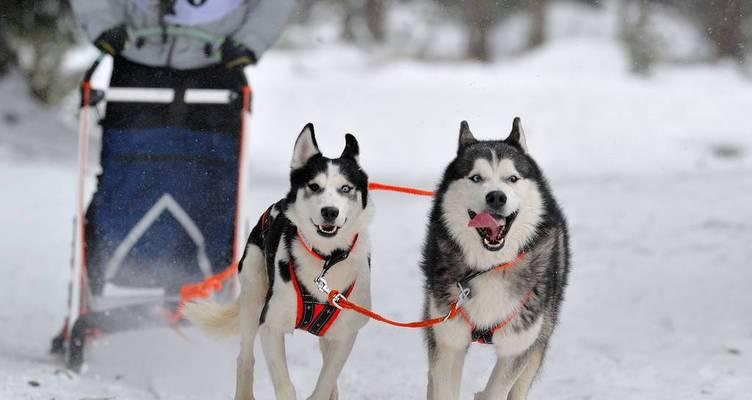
point(188, 180)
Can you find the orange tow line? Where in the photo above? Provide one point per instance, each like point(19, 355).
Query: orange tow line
point(336, 299)
point(215, 282)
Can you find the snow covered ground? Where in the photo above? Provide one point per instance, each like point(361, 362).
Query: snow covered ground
point(654, 174)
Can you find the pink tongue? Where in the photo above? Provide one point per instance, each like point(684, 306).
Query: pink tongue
point(485, 220)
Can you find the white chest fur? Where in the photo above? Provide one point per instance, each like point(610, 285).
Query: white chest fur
point(491, 300)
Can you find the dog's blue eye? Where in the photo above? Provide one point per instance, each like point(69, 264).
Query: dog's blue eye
point(345, 189)
point(476, 178)
point(314, 187)
point(514, 178)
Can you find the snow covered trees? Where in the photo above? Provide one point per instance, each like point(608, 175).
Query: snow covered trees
point(35, 36)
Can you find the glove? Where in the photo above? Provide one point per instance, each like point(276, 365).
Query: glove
point(235, 55)
point(112, 41)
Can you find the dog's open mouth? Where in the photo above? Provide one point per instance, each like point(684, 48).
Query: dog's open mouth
point(327, 230)
point(492, 228)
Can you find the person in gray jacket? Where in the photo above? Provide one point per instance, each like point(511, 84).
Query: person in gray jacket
point(184, 34)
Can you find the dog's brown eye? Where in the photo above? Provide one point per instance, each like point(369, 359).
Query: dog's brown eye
point(314, 187)
point(514, 178)
point(345, 189)
point(476, 178)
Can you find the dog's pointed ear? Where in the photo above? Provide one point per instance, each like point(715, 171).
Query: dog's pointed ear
point(305, 147)
point(517, 136)
point(352, 150)
point(466, 137)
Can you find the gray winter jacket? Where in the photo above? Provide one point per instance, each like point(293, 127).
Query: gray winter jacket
point(196, 29)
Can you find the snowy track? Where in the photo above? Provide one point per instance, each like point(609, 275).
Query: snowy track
point(658, 305)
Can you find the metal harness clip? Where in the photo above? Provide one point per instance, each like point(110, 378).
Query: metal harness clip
point(463, 293)
point(324, 288)
point(322, 285)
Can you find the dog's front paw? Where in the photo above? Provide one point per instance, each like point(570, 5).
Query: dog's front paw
point(333, 396)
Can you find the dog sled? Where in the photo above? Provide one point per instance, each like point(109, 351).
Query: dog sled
point(165, 216)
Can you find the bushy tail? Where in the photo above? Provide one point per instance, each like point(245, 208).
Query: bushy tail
point(219, 320)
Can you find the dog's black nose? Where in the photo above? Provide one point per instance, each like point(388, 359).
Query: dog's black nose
point(329, 213)
point(496, 199)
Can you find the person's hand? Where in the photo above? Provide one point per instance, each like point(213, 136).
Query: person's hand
point(235, 55)
point(112, 41)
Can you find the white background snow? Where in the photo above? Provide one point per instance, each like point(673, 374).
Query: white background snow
point(654, 174)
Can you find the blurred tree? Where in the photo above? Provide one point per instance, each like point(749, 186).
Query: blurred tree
point(479, 19)
point(35, 36)
point(635, 33)
point(722, 22)
point(7, 57)
point(537, 23)
point(724, 19)
point(481, 16)
point(375, 10)
point(363, 13)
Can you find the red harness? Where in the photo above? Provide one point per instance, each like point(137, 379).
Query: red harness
point(315, 316)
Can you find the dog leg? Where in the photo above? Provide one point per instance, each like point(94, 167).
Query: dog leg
point(253, 281)
point(445, 369)
point(522, 386)
point(244, 374)
point(430, 386)
point(505, 373)
point(335, 353)
point(273, 344)
point(324, 346)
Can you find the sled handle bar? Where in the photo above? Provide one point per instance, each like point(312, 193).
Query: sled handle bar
point(97, 95)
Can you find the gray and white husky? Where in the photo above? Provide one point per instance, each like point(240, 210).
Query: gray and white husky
point(323, 220)
point(497, 243)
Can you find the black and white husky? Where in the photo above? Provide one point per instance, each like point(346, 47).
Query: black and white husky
point(497, 250)
point(323, 221)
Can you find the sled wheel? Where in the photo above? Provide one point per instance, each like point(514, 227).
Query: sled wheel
point(77, 343)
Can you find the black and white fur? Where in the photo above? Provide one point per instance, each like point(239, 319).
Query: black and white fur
point(267, 303)
point(453, 250)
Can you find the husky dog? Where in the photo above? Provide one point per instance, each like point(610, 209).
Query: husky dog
point(497, 253)
point(321, 226)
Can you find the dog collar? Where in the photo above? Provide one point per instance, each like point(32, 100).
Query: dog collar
point(337, 255)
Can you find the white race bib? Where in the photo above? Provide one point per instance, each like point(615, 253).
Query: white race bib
point(193, 12)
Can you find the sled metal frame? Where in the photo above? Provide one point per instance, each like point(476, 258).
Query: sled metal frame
point(82, 322)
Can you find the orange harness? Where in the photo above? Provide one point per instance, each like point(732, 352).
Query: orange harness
point(485, 336)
